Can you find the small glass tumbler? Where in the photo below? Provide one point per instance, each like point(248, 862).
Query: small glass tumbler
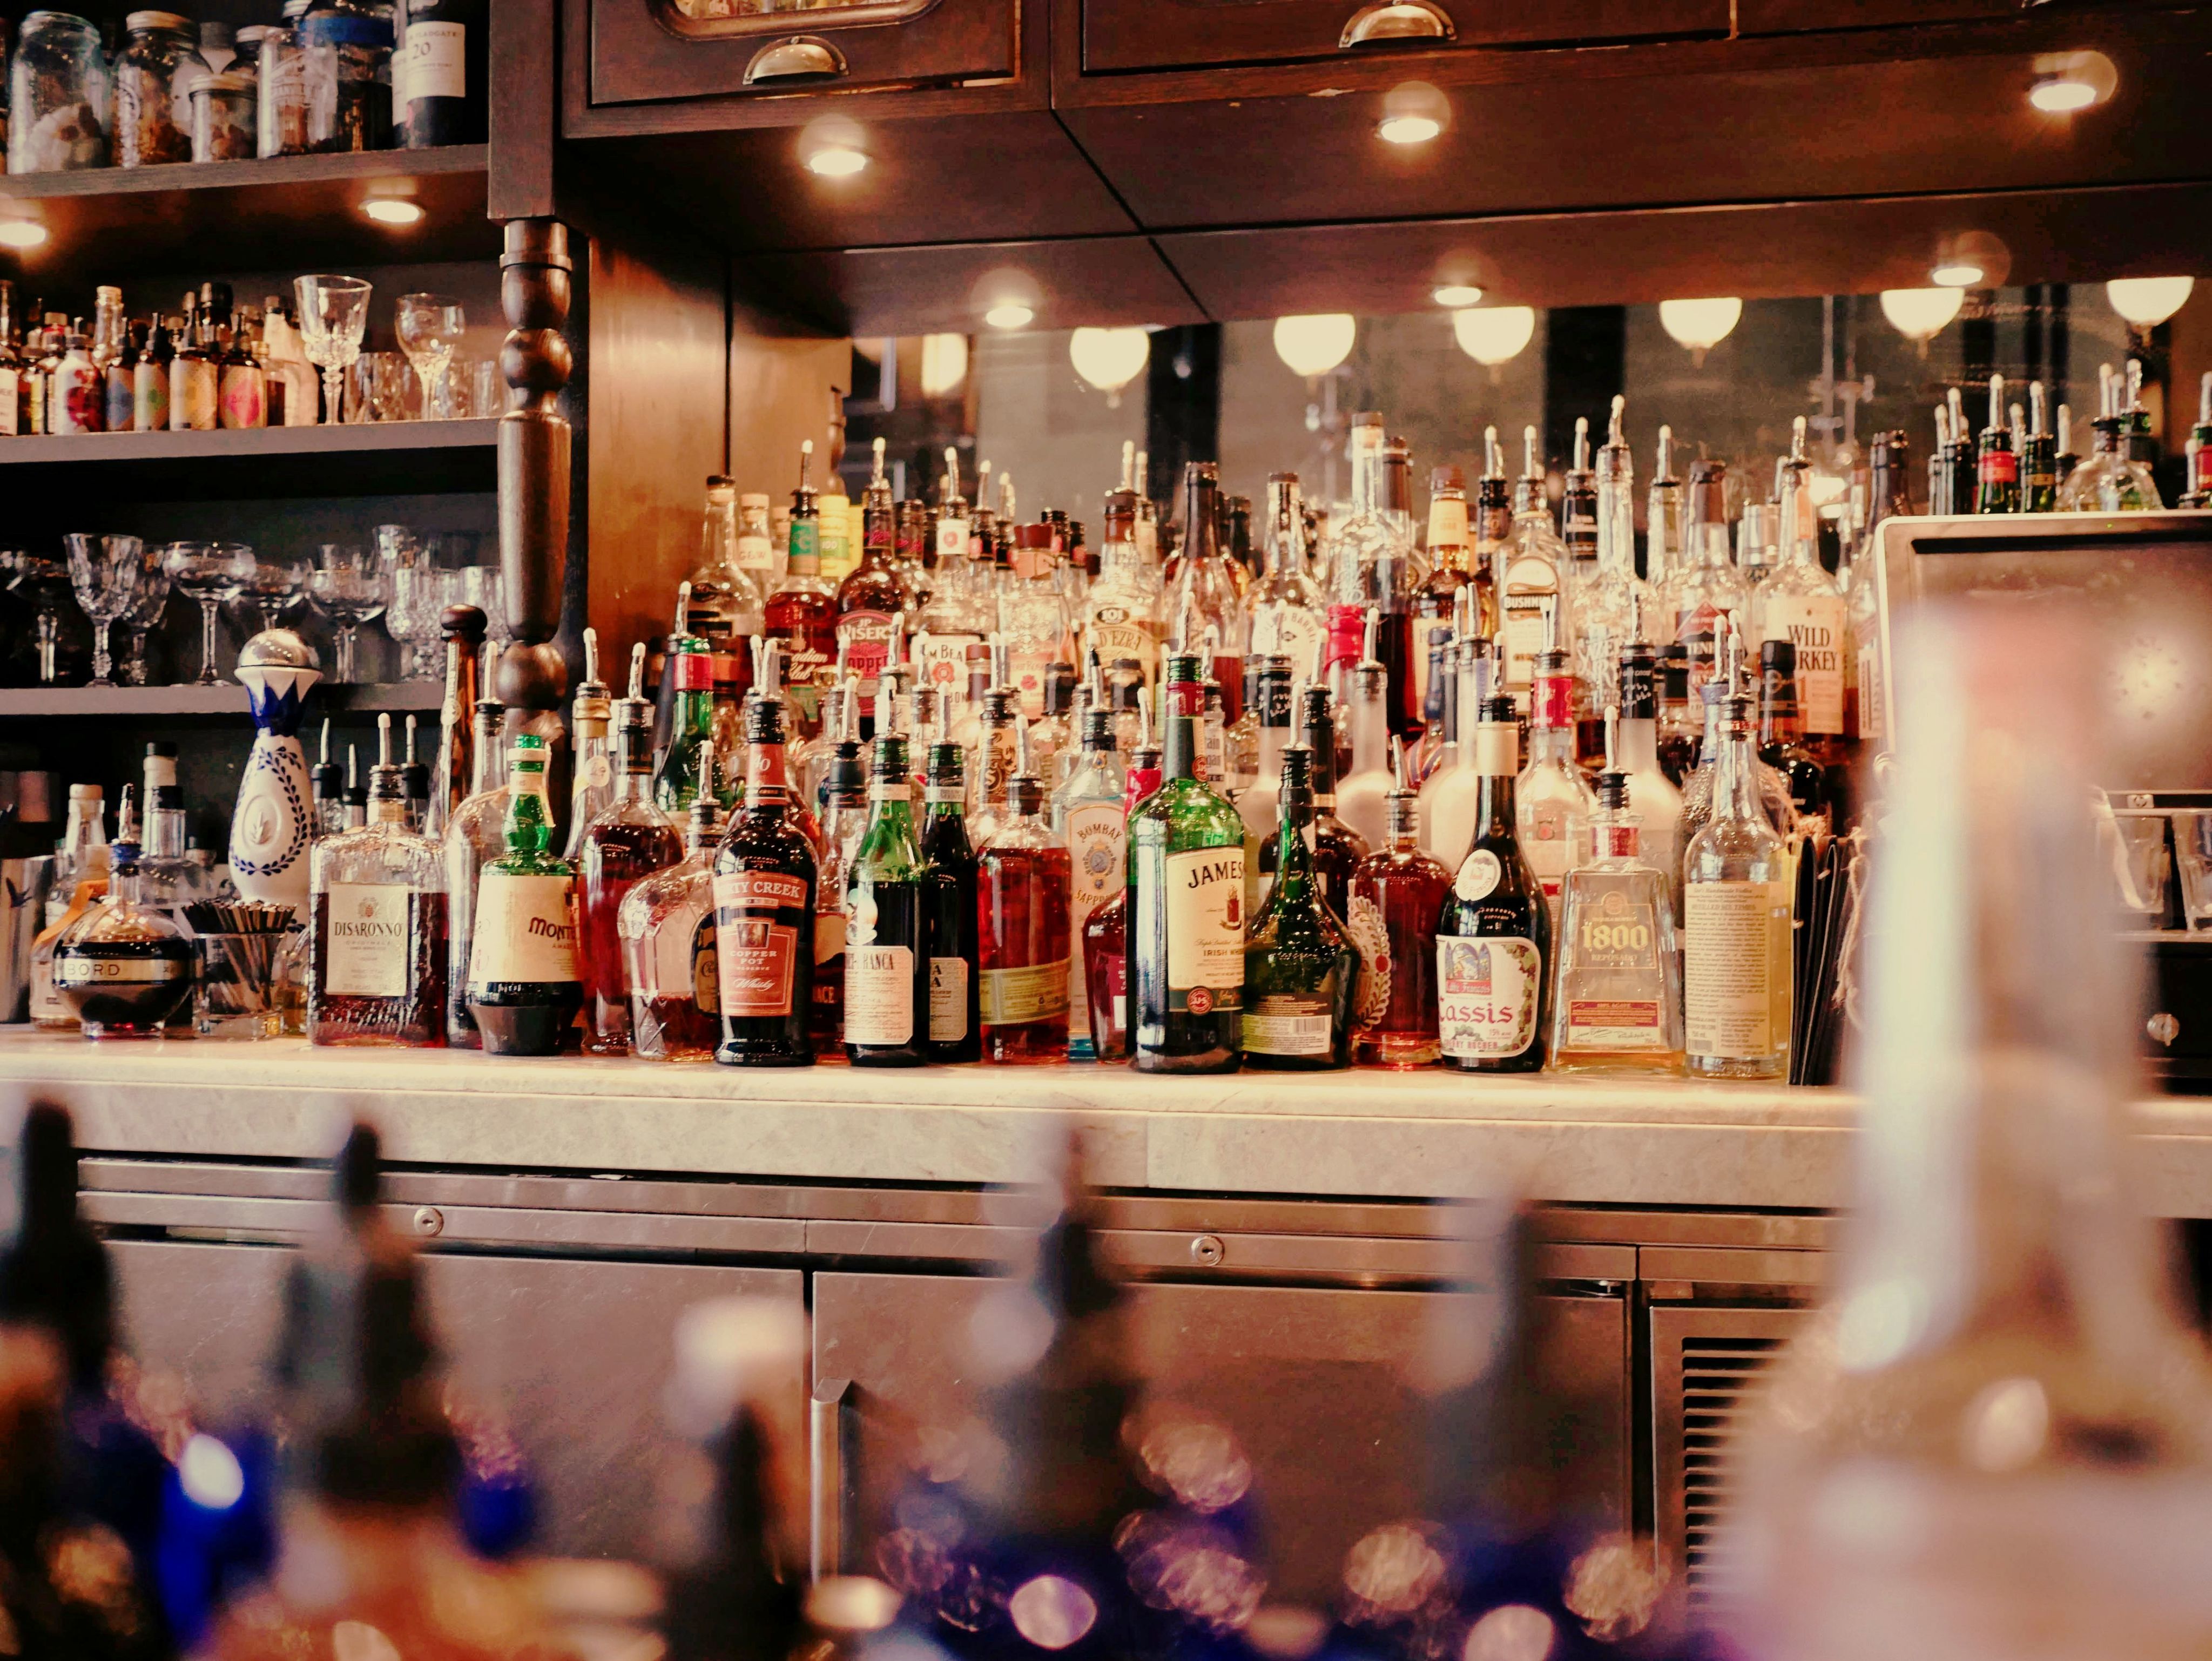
point(2142, 868)
point(237, 993)
point(2192, 859)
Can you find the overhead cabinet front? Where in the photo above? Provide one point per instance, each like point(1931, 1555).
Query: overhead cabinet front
point(650, 50)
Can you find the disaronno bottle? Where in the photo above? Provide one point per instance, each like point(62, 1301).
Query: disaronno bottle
point(524, 992)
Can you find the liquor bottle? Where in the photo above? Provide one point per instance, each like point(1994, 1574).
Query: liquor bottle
point(1373, 567)
point(12, 367)
point(1492, 530)
point(1289, 610)
point(1258, 803)
point(1579, 521)
point(950, 894)
point(2039, 457)
point(1738, 896)
point(376, 971)
point(1551, 798)
point(725, 608)
point(2068, 460)
point(756, 548)
point(415, 781)
point(802, 613)
point(1121, 614)
point(241, 385)
point(1754, 547)
point(1052, 734)
point(997, 738)
point(1533, 601)
point(1800, 604)
point(1452, 567)
point(1446, 805)
point(1337, 848)
point(195, 400)
point(690, 748)
point(149, 382)
point(1361, 792)
point(950, 620)
point(1666, 546)
point(1301, 970)
point(1091, 822)
point(120, 378)
point(1185, 925)
point(1891, 496)
point(1708, 592)
point(873, 598)
point(1022, 884)
point(887, 968)
point(1959, 465)
point(1658, 801)
point(1679, 729)
point(125, 970)
point(1494, 927)
point(2108, 481)
point(1996, 464)
point(439, 73)
point(626, 841)
point(1204, 599)
point(2044, 1371)
point(356, 797)
point(1397, 896)
point(1616, 983)
point(766, 880)
point(1032, 618)
point(46, 354)
point(592, 769)
point(523, 986)
point(2199, 492)
point(78, 400)
point(1611, 598)
point(463, 627)
point(1811, 786)
point(1105, 933)
point(844, 815)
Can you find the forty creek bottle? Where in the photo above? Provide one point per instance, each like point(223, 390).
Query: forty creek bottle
point(1494, 935)
point(1301, 969)
point(886, 939)
point(765, 894)
point(524, 992)
point(1185, 931)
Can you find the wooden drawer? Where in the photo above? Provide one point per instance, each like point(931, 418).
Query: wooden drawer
point(1163, 35)
point(644, 51)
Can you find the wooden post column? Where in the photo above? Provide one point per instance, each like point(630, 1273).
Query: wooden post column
point(536, 284)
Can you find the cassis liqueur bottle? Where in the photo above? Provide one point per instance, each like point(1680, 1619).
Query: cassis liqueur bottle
point(764, 899)
point(886, 937)
point(1186, 930)
point(1494, 935)
point(523, 987)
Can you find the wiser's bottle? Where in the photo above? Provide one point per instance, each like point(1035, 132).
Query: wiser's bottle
point(524, 991)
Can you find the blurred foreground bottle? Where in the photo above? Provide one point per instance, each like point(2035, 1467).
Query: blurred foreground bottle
point(1997, 1439)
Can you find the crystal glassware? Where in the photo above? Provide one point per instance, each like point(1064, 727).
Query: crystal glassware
point(333, 314)
point(44, 585)
point(145, 611)
point(274, 583)
point(484, 587)
point(2192, 857)
point(391, 385)
point(105, 571)
point(211, 573)
point(429, 327)
point(351, 584)
point(420, 594)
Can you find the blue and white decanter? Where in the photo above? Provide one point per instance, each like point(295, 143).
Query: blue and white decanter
point(274, 820)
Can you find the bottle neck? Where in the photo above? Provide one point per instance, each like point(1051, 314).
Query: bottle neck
point(1779, 722)
point(1371, 728)
point(766, 771)
point(1180, 760)
point(529, 819)
point(1736, 779)
point(1293, 854)
point(1639, 744)
point(487, 769)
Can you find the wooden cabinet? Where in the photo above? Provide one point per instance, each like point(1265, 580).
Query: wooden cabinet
point(644, 51)
point(1161, 35)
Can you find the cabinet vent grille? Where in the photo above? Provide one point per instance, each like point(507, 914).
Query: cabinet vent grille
point(1720, 1386)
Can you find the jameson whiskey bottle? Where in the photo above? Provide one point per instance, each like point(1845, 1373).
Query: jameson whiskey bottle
point(765, 897)
point(1301, 969)
point(524, 992)
point(886, 939)
point(1186, 930)
point(1494, 933)
point(949, 907)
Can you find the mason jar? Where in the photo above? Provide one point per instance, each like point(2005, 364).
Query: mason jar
point(282, 108)
point(223, 124)
point(152, 123)
point(348, 46)
point(58, 91)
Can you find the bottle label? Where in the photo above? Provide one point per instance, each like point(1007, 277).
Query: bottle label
point(948, 1000)
point(1531, 600)
point(193, 390)
point(1814, 624)
point(1496, 750)
point(878, 994)
point(1205, 899)
point(1701, 631)
point(1289, 631)
point(243, 397)
point(758, 961)
point(804, 550)
point(1554, 705)
point(75, 970)
point(1016, 997)
point(1870, 693)
point(1287, 1024)
point(1487, 994)
point(1116, 633)
point(2000, 467)
point(1478, 876)
point(80, 400)
point(525, 929)
point(951, 540)
point(1736, 966)
point(1026, 666)
point(10, 381)
point(366, 955)
point(671, 969)
point(1612, 1024)
point(431, 62)
point(1097, 858)
point(695, 671)
point(941, 661)
point(829, 941)
point(756, 553)
point(865, 637)
point(1545, 830)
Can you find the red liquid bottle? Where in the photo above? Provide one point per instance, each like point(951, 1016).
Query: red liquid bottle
point(1106, 932)
point(873, 600)
point(1398, 892)
point(1021, 916)
point(801, 616)
point(628, 840)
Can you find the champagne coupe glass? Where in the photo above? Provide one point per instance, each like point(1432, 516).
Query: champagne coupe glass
point(104, 571)
point(274, 585)
point(333, 315)
point(214, 573)
point(146, 610)
point(43, 583)
point(429, 327)
point(351, 584)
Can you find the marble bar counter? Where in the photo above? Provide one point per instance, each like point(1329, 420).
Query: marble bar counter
point(1647, 1142)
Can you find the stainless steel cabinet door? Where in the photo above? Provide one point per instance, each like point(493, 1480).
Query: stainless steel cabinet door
point(1315, 1384)
point(569, 1354)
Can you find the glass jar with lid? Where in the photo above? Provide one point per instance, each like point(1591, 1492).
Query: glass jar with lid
point(224, 123)
point(152, 124)
point(58, 96)
point(282, 109)
point(347, 45)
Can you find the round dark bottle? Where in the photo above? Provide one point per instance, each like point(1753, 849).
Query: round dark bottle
point(765, 877)
point(1494, 932)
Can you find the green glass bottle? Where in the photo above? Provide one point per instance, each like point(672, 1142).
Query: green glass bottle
point(1185, 951)
point(886, 931)
point(690, 725)
point(1996, 464)
point(1301, 969)
point(956, 1025)
point(523, 989)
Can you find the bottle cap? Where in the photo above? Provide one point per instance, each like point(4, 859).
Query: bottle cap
point(1779, 656)
point(764, 721)
point(890, 757)
point(1295, 789)
point(1025, 797)
point(1098, 729)
point(1058, 687)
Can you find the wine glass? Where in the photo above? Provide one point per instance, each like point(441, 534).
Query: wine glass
point(214, 573)
point(43, 583)
point(429, 326)
point(333, 314)
point(274, 584)
point(104, 571)
point(420, 594)
point(351, 584)
point(146, 610)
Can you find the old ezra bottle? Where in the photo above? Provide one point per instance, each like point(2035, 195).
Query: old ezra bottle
point(1737, 897)
point(1494, 929)
point(886, 940)
point(523, 986)
point(1302, 971)
point(764, 911)
point(1186, 927)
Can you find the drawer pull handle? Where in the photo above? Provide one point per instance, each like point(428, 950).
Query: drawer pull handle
point(1387, 21)
point(800, 56)
point(830, 1433)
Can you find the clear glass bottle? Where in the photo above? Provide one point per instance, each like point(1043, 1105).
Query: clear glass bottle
point(1032, 617)
point(1447, 803)
point(873, 600)
point(1535, 608)
point(1373, 567)
point(1616, 980)
point(1739, 892)
point(1361, 793)
point(377, 965)
point(1022, 884)
point(767, 879)
point(1493, 934)
point(844, 814)
point(997, 745)
point(474, 835)
point(1551, 799)
point(1802, 604)
point(1105, 933)
point(725, 609)
point(1611, 600)
point(627, 841)
point(1290, 614)
point(1302, 971)
point(951, 619)
point(1453, 566)
point(591, 770)
point(58, 96)
point(802, 613)
point(666, 926)
point(1186, 918)
point(523, 990)
point(1708, 593)
point(1090, 822)
point(1666, 543)
point(1658, 801)
point(1398, 894)
point(2108, 481)
point(1205, 601)
point(124, 971)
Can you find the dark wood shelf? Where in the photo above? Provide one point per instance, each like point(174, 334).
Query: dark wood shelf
point(226, 698)
point(368, 458)
point(300, 211)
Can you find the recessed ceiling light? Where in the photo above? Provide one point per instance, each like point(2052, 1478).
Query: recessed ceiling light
point(836, 161)
point(21, 234)
point(1407, 129)
point(1955, 274)
point(393, 210)
point(2059, 96)
point(1456, 294)
point(1009, 314)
